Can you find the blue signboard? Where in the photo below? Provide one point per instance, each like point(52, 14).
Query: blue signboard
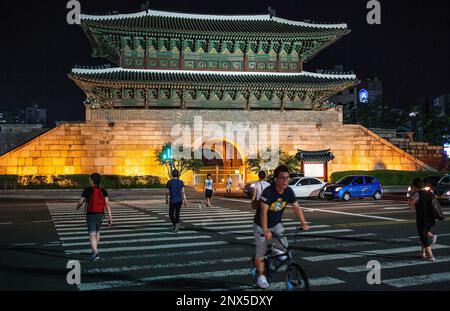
point(363, 96)
point(447, 149)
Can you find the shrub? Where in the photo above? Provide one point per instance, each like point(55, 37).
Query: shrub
point(77, 182)
point(386, 177)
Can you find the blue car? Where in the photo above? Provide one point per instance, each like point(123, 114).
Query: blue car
point(354, 187)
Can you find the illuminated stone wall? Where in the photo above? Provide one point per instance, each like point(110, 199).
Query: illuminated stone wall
point(117, 143)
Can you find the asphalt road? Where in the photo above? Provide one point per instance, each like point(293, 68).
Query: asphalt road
point(213, 248)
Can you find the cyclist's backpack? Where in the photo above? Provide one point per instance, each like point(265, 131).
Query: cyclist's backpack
point(96, 204)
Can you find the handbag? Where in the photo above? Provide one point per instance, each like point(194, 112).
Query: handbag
point(437, 209)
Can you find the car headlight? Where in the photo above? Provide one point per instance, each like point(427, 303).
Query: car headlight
point(447, 193)
point(427, 188)
point(338, 189)
point(409, 189)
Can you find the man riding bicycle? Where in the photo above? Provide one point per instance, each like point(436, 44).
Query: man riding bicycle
point(268, 217)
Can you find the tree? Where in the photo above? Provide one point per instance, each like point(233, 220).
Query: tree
point(165, 158)
point(257, 163)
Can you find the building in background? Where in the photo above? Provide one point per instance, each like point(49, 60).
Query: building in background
point(31, 115)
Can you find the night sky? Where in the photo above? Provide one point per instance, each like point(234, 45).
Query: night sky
point(409, 51)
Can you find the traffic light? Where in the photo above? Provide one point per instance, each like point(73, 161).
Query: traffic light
point(167, 154)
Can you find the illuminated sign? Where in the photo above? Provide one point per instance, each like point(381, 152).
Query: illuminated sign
point(363, 96)
point(447, 149)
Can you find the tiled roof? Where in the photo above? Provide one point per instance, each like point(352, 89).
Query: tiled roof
point(188, 23)
point(315, 156)
point(120, 75)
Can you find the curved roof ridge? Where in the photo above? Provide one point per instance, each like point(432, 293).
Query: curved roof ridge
point(230, 73)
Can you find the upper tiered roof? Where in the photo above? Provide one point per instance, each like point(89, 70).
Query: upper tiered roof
point(188, 23)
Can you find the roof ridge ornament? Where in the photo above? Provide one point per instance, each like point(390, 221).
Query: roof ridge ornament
point(272, 12)
point(146, 7)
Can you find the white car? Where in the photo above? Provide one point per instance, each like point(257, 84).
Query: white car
point(307, 187)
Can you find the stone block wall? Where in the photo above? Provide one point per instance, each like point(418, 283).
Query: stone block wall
point(124, 145)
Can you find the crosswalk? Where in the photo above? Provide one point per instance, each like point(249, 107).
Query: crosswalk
point(213, 250)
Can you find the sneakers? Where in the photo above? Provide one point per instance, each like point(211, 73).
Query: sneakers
point(94, 257)
point(176, 228)
point(262, 282)
point(434, 239)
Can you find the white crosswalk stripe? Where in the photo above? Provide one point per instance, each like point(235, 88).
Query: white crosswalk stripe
point(142, 245)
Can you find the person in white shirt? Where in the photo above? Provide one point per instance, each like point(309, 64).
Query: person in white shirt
point(258, 189)
point(229, 183)
point(208, 188)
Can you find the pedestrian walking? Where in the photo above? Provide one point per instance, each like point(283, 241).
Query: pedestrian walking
point(425, 219)
point(258, 189)
point(96, 200)
point(208, 187)
point(229, 183)
point(175, 190)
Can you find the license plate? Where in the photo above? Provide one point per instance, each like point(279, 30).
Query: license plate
point(327, 193)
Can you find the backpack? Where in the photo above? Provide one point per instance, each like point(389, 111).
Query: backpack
point(96, 204)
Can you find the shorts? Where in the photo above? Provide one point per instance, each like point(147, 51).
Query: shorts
point(94, 222)
point(208, 193)
point(261, 242)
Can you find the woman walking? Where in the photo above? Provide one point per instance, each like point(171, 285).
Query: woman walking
point(208, 188)
point(422, 204)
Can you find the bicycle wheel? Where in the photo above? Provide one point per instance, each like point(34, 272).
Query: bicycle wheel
point(296, 279)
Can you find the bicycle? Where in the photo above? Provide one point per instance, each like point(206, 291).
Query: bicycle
point(295, 277)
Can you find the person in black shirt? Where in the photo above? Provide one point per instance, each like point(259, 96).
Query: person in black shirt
point(274, 200)
point(97, 196)
point(421, 202)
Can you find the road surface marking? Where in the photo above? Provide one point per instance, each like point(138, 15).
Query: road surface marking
point(107, 230)
point(104, 237)
point(150, 240)
point(419, 280)
point(393, 264)
point(375, 223)
point(248, 225)
point(152, 247)
point(370, 253)
point(294, 228)
point(5, 223)
point(170, 265)
point(58, 222)
point(203, 275)
point(176, 254)
point(353, 214)
point(24, 244)
point(105, 227)
point(80, 225)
